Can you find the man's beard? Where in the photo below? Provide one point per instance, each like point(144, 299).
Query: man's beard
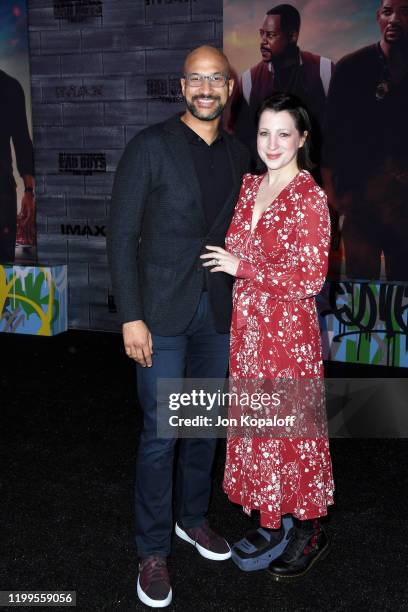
point(198, 115)
point(401, 42)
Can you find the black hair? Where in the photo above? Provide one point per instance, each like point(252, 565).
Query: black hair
point(292, 104)
point(290, 17)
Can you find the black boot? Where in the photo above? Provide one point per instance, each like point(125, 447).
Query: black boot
point(307, 544)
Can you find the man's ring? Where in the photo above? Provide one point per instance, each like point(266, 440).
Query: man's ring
point(216, 262)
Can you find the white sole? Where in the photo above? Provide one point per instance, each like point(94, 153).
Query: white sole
point(204, 552)
point(153, 603)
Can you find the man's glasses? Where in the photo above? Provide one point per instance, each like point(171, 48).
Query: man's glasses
point(194, 79)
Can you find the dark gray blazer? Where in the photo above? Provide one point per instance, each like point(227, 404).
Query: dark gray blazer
point(157, 231)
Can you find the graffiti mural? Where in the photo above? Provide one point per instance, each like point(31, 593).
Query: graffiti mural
point(365, 322)
point(33, 300)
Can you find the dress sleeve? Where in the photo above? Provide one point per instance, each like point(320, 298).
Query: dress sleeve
point(247, 180)
point(302, 273)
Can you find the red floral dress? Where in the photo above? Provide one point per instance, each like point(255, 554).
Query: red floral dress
point(275, 335)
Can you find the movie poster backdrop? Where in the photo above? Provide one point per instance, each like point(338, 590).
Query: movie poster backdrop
point(17, 185)
point(359, 113)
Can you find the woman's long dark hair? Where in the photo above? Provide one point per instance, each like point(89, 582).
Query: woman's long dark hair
point(287, 102)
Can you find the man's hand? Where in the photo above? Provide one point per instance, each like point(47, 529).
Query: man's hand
point(138, 342)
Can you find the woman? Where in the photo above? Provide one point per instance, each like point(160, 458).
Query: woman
point(277, 248)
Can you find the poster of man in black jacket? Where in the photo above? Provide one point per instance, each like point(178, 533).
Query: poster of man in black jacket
point(14, 131)
point(17, 200)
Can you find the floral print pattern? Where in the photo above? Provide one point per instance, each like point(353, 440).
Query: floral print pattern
point(275, 334)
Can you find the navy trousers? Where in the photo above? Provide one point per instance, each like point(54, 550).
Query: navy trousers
point(200, 352)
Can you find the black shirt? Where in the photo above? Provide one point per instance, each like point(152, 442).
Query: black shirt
point(214, 173)
point(364, 130)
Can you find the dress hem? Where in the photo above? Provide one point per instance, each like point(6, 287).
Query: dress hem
point(274, 524)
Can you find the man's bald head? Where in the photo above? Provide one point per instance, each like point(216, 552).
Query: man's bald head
point(206, 99)
point(206, 54)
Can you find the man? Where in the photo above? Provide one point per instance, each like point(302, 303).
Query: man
point(366, 154)
point(284, 67)
point(174, 193)
point(13, 128)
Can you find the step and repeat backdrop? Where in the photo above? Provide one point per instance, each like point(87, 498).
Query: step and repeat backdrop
point(102, 70)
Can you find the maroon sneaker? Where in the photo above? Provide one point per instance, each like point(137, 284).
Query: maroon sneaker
point(153, 583)
point(209, 544)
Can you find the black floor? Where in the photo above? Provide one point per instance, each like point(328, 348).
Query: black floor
point(69, 432)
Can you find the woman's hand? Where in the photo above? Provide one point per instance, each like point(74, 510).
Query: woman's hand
point(221, 260)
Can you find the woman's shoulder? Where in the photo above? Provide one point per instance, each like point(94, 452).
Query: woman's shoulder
point(249, 179)
point(308, 185)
